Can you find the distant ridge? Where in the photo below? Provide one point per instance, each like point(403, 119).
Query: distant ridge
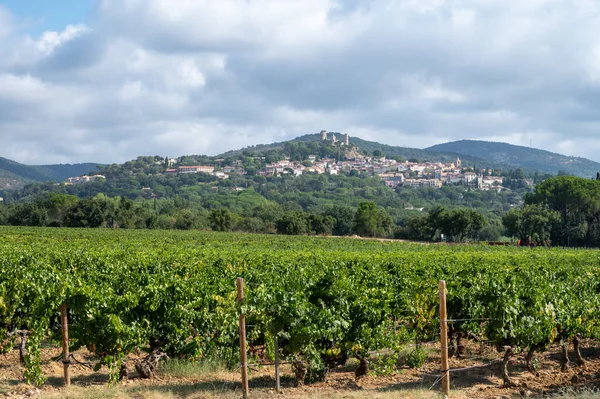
point(487, 154)
point(369, 146)
point(484, 154)
point(516, 156)
point(15, 175)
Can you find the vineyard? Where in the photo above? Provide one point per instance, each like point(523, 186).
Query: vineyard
point(326, 300)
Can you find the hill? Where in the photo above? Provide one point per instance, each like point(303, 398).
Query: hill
point(519, 156)
point(481, 153)
point(61, 172)
point(368, 146)
point(15, 175)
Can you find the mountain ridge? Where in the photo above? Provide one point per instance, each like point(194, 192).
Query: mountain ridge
point(520, 156)
point(484, 154)
point(477, 153)
point(15, 175)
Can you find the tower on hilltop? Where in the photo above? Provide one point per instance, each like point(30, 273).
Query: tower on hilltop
point(323, 135)
point(346, 139)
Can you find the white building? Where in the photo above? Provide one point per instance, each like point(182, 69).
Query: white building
point(196, 169)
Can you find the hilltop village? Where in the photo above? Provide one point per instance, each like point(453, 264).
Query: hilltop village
point(394, 172)
point(391, 171)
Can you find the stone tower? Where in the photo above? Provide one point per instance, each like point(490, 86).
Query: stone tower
point(458, 162)
point(323, 135)
point(346, 139)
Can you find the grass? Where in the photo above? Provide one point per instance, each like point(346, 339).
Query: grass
point(184, 369)
point(124, 392)
point(577, 394)
point(211, 379)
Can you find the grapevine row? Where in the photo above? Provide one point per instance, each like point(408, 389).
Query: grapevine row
point(327, 300)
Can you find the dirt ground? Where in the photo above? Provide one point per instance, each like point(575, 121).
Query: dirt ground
point(480, 380)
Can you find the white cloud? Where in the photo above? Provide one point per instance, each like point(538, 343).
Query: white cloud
point(190, 75)
point(463, 18)
point(594, 66)
point(6, 22)
point(51, 40)
point(422, 6)
point(132, 91)
point(204, 76)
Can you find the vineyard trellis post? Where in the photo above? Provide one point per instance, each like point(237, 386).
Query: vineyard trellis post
point(444, 340)
point(243, 354)
point(277, 376)
point(64, 321)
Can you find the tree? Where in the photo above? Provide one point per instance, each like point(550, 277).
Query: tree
point(460, 224)
point(89, 212)
point(577, 200)
point(457, 224)
point(293, 223)
point(320, 224)
point(30, 214)
point(344, 219)
point(371, 221)
point(125, 214)
point(490, 233)
point(220, 220)
point(58, 205)
point(533, 223)
point(3, 214)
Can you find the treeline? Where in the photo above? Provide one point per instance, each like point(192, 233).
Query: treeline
point(367, 219)
point(310, 193)
point(561, 211)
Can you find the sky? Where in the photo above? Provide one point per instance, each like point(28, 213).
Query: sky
point(109, 80)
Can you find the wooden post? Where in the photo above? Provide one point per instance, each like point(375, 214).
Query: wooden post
point(243, 354)
point(64, 321)
point(277, 377)
point(444, 340)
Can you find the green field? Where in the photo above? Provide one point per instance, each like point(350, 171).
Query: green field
point(326, 299)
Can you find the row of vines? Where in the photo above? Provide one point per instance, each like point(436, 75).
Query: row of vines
point(326, 300)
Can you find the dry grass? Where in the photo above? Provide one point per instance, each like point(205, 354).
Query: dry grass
point(211, 380)
point(122, 392)
point(585, 394)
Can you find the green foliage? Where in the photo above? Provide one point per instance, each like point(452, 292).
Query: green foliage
point(416, 357)
point(220, 220)
point(89, 212)
point(343, 217)
point(575, 202)
point(522, 157)
point(31, 214)
point(371, 221)
point(455, 225)
point(293, 223)
point(325, 299)
point(489, 233)
point(533, 222)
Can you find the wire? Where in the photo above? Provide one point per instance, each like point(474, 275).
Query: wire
point(459, 320)
point(85, 364)
point(444, 372)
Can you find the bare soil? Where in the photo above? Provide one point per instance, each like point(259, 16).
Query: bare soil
point(481, 379)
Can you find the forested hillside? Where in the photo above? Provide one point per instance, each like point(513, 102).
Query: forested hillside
point(139, 194)
point(365, 146)
point(15, 175)
point(149, 193)
point(522, 157)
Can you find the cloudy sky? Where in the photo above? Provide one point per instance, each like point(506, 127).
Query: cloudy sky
point(108, 80)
